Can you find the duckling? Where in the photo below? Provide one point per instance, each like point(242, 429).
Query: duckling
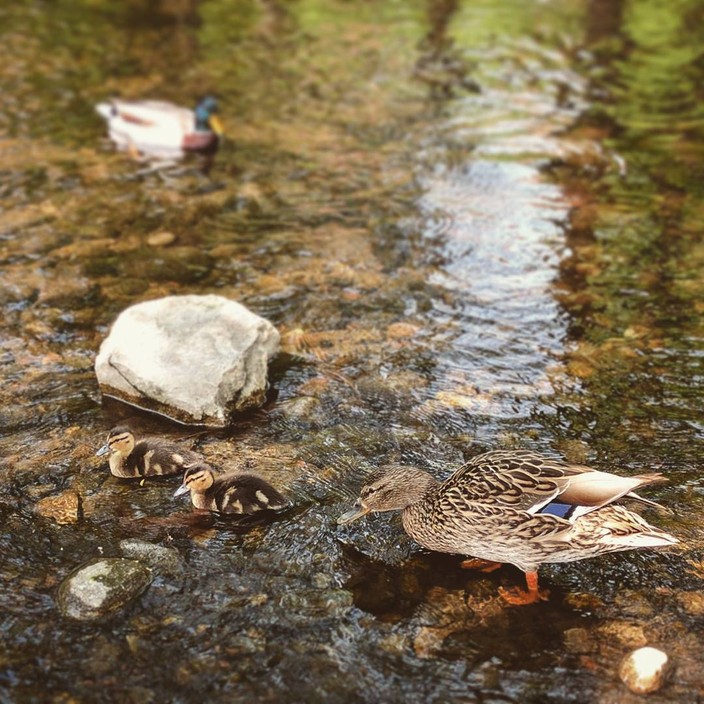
point(516, 507)
point(230, 493)
point(150, 457)
point(162, 130)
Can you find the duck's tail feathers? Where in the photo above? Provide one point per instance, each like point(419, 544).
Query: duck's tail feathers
point(648, 502)
point(650, 478)
point(623, 529)
point(656, 539)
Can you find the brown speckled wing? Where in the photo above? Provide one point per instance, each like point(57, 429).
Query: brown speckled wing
point(515, 479)
point(538, 528)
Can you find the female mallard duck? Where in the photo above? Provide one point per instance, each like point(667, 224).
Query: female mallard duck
point(162, 130)
point(231, 493)
point(149, 457)
point(515, 507)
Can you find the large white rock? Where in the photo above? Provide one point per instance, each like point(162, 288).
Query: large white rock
point(196, 359)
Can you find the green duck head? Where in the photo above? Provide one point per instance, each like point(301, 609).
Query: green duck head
point(206, 119)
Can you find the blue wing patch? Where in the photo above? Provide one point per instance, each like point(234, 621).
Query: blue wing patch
point(557, 508)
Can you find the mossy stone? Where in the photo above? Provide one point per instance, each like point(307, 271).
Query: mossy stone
point(102, 587)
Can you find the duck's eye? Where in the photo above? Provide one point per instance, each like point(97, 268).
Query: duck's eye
point(368, 491)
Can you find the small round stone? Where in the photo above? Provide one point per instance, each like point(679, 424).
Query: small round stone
point(644, 670)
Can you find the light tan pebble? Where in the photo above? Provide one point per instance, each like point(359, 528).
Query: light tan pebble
point(629, 635)
point(644, 670)
point(64, 508)
point(161, 239)
point(692, 602)
point(397, 331)
point(258, 599)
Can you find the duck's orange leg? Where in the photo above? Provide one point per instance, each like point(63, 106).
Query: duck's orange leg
point(517, 597)
point(476, 563)
point(133, 151)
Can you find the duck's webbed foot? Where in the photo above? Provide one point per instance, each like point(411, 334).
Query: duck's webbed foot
point(133, 152)
point(519, 597)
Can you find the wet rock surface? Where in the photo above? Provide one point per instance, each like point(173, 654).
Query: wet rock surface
point(161, 560)
point(197, 359)
point(101, 588)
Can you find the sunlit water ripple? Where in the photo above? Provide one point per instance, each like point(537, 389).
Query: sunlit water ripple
point(499, 224)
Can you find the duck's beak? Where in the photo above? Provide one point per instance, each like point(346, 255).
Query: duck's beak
point(357, 511)
point(216, 125)
point(103, 450)
point(183, 489)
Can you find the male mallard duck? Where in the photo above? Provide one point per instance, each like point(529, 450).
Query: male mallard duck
point(515, 507)
point(162, 130)
point(149, 457)
point(232, 493)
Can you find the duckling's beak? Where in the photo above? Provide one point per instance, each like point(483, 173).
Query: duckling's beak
point(216, 125)
point(357, 511)
point(183, 489)
point(103, 450)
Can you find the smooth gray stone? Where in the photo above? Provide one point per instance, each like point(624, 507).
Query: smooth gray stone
point(102, 587)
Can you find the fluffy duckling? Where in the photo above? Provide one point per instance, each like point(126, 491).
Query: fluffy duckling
point(150, 457)
point(231, 493)
point(516, 507)
point(162, 130)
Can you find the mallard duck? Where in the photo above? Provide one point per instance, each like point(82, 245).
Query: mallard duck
point(162, 130)
point(230, 493)
point(515, 507)
point(149, 457)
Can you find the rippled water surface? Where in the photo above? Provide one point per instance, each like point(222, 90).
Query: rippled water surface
point(476, 224)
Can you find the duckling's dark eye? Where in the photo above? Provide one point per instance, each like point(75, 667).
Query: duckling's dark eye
point(368, 491)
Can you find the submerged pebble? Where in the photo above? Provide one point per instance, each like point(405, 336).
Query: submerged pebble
point(644, 670)
point(64, 508)
point(692, 602)
point(166, 562)
point(161, 239)
point(102, 587)
point(301, 408)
